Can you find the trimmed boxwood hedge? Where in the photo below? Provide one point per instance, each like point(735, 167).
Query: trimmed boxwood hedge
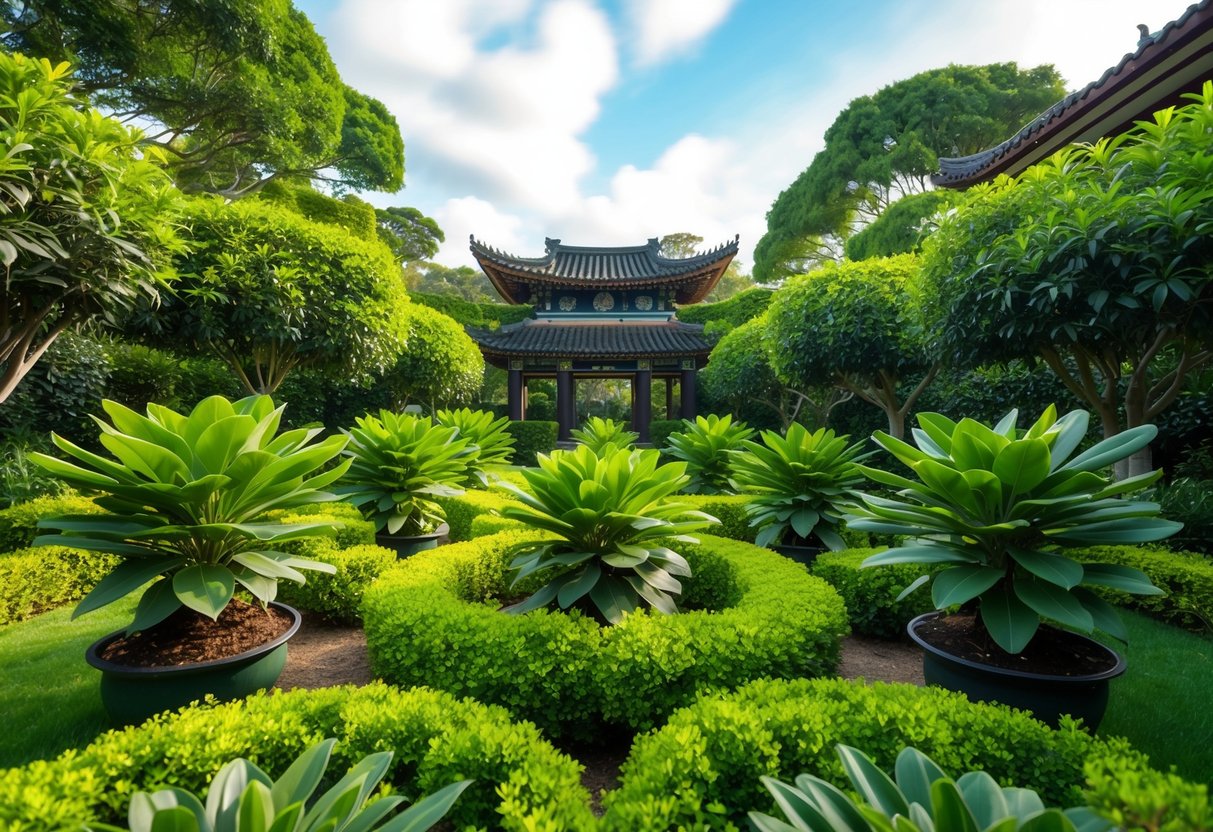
point(434, 620)
point(19, 523)
point(464, 508)
point(871, 594)
point(34, 579)
point(702, 769)
point(729, 509)
point(339, 597)
point(521, 782)
point(486, 524)
point(532, 437)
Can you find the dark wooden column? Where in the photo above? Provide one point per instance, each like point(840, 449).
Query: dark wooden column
point(688, 394)
point(566, 404)
point(642, 400)
point(669, 397)
point(515, 393)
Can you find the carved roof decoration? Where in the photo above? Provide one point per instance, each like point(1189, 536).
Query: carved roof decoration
point(1176, 59)
point(590, 339)
point(602, 267)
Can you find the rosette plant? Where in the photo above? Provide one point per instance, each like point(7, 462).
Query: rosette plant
point(799, 484)
point(612, 519)
point(185, 494)
point(922, 799)
point(995, 507)
point(597, 433)
point(400, 461)
point(706, 445)
point(494, 444)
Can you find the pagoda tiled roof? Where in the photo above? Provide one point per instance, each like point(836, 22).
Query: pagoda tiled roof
point(591, 339)
point(1176, 59)
point(603, 267)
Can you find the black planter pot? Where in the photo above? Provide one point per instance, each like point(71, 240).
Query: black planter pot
point(132, 694)
point(1048, 697)
point(801, 554)
point(405, 545)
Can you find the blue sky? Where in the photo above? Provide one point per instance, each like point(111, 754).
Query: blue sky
point(610, 122)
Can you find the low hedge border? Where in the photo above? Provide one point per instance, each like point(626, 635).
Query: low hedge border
point(462, 509)
point(702, 769)
point(487, 524)
point(521, 781)
point(433, 620)
point(871, 594)
point(37, 578)
point(355, 530)
point(338, 597)
point(729, 509)
point(530, 438)
point(19, 523)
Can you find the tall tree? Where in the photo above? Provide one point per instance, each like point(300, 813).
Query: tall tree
point(886, 145)
point(87, 221)
point(1098, 261)
point(680, 244)
point(410, 234)
point(902, 227)
point(242, 91)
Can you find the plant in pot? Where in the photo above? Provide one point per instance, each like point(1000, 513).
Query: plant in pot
point(491, 438)
point(597, 433)
point(398, 463)
point(799, 486)
point(185, 496)
point(706, 445)
point(995, 508)
point(612, 519)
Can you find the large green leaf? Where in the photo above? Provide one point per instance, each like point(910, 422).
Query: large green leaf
point(1051, 566)
point(1125, 578)
point(1010, 622)
point(1113, 449)
point(915, 773)
point(427, 812)
point(157, 603)
point(984, 797)
point(1022, 465)
point(872, 784)
point(1103, 614)
point(959, 584)
point(205, 587)
point(124, 579)
point(920, 553)
point(1051, 601)
point(949, 809)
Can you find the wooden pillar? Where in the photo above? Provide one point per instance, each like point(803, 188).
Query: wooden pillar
point(566, 404)
point(642, 392)
point(688, 394)
point(669, 397)
point(515, 393)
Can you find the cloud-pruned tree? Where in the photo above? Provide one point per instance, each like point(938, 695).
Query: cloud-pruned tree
point(410, 234)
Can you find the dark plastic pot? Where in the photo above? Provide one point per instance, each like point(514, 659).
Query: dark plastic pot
point(405, 545)
point(1048, 697)
point(132, 694)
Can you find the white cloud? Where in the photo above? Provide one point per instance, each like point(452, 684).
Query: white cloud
point(460, 217)
point(662, 29)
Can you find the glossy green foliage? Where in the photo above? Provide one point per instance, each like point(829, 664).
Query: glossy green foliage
point(39, 578)
point(717, 750)
point(798, 484)
point(186, 495)
point(706, 445)
point(439, 366)
point(922, 799)
point(597, 433)
point(59, 393)
point(613, 514)
point(243, 798)
point(494, 444)
point(532, 438)
point(994, 503)
point(735, 311)
point(519, 780)
point(73, 181)
point(747, 613)
point(350, 213)
point(901, 228)
point(399, 463)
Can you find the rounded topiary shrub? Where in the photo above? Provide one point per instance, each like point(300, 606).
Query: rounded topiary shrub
point(748, 613)
point(520, 781)
point(702, 769)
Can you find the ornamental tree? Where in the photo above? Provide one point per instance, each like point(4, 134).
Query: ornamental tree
point(859, 327)
point(1099, 261)
point(86, 220)
point(439, 366)
point(268, 291)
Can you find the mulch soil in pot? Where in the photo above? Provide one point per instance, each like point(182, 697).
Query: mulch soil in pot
point(188, 637)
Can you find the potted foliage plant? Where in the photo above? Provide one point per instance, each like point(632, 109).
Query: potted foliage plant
point(492, 440)
point(597, 433)
point(799, 485)
point(995, 508)
point(398, 463)
point(611, 517)
point(706, 445)
point(185, 496)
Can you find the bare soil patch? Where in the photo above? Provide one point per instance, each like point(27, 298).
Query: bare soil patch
point(322, 655)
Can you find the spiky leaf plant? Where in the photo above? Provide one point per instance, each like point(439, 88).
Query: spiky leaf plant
point(997, 504)
point(800, 484)
point(706, 445)
point(184, 494)
point(398, 462)
point(597, 433)
point(613, 516)
point(494, 444)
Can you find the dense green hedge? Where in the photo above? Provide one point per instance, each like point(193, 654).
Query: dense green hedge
point(35, 579)
point(487, 524)
point(521, 782)
point(729, 509)
point(660, 430)
point(355, 530)
point(702, 769)
point(1186, 578)
point(530, 438)
point(19, 523)
point(339, 597)
point(427, 622)
point(463, 509)
point(871, 594)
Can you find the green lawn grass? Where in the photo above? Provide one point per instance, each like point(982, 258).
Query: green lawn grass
point(50, 697)
point(1163, 704)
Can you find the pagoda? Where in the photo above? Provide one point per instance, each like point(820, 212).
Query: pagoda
point(601, 313)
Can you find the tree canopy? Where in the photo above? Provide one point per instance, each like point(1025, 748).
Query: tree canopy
point(886, 145)
point(1098, 260)
point(440, 365)
point(242, 91)
point(410, 234)
point(901, 228)
point(88, 221)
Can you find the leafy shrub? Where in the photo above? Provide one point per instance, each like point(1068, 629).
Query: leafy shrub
point(660, 430)
point(141, 374)
point(61, 390)
point(19, 523)
point(352, 529)
point(871, 595)
point(520, 781)
point(462, 510)
point(717, 749)
point(597, 433)
point(729, 509)
point(440, 364)
point(427, 622)
point(706, 445)
point(736, 310)
point(20, 479)
point(1124, 789)
point(203, 377)
point(1187, 580)
point(35, 579)
point(531, 438)
point(487, 524)
point(338, 597)
point(1190, 502)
